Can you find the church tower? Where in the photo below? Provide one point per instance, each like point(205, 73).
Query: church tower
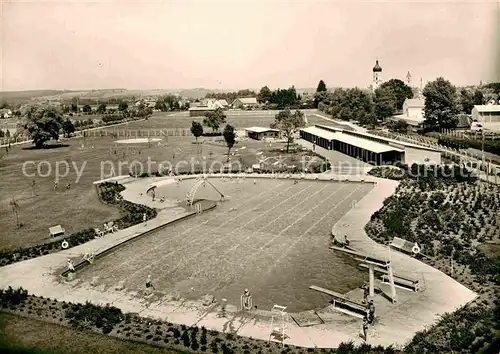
point(377, 75)
point(408, 79)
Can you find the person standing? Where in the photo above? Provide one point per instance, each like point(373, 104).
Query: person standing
point(149, 283)
point(71, 267)
point(371, 311)
point(366, 292)
point(365, 329)
point(144, 219)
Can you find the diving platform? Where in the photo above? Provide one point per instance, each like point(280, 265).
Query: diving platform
point(342, 303)
point(371, 263)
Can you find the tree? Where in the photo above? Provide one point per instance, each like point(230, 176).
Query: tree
point(385, 102)
point(15, 208)
point(215, 119)
point(185, 339)
point(42, 123)
point(196, 130)
point(288, 124)
point(230, 138)
point(321, 86)
point(478, 97)
point(441, 104)
point(264, 95)
point(400, 90)
point(399, 126)
point(74, 108)
point(68, 127)
point(87, 109)
point(466, 101)
point(101, 109)
point(122, 106)
point(160, 105)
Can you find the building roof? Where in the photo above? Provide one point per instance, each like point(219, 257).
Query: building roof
point(260, 129)
point(365, 143)
point(247, 100)
point(377, 67)
point(322, 133)
point(222, 102)
point(487, 108)
point(411, 120)
point(394, 141)
point(202, 108)
point(415, 102)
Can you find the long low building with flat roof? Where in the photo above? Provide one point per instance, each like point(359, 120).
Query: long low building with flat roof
point(369, 148)
point(259, 133)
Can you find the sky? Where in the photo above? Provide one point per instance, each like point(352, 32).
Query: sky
point(244, 44)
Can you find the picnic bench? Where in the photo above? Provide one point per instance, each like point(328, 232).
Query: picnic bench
point(342, 302)
point(403, 282)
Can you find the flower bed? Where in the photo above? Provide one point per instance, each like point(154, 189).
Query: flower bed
point(445, 219)
point(109, 193)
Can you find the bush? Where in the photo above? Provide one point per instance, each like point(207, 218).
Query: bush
point(104, 318)
point(11, 297)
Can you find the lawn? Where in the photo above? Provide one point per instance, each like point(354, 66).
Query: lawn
point(238, 119)
point(20, 335)
point(271, 236)
point(78, 208)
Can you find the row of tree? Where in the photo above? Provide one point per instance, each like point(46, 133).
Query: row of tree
point(231, 96)
point(281, 98)
point(43, 123)
point(170, 103)
point(443, 102)
point(5, 134)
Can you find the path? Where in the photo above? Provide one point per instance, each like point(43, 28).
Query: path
point(40, 277)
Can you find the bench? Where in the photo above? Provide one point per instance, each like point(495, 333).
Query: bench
point(402, 245)
point(341, 302)
point(404, 282)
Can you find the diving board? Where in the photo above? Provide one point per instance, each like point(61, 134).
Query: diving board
point(371, 263)
point(342, 303)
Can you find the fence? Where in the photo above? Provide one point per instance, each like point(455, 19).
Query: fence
point(138, 133)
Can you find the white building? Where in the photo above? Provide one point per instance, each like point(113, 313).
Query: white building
point(488, 116)
point(5, 113)
point(414, 108)
point(247, 102)
point(370, 148)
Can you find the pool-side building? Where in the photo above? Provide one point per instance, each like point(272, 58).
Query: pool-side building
point(368, 147)
point(200, 111)
point(259, 133)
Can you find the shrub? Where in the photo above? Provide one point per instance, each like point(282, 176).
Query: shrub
point(185, 339)
point(11, 297)
point(104, 318)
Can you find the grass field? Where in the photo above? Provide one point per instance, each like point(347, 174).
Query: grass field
point(271, 237)
point(238, 119)
point(20, 335)
point(78, 207)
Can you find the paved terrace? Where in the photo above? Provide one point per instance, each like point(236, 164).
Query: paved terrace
point(395, 323)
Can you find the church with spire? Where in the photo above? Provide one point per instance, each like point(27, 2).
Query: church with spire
point(377, 76)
